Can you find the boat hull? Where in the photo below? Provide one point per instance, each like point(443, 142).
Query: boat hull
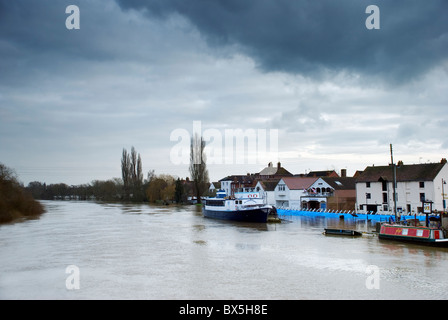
point(419, 235)
point(252, 215)
point(342, 232)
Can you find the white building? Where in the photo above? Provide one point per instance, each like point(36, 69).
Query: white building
point(415, 183)
point(268, 189)
point(290, 190)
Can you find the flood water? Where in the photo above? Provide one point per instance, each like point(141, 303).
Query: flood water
point(125, 251)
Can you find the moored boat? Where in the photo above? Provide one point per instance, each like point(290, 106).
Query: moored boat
point(342, 232)
point(432, 233)
point(416, 234)
point(244, 205)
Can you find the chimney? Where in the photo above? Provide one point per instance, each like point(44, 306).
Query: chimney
point(343, 173)
point(269, 164)
point(278, 165)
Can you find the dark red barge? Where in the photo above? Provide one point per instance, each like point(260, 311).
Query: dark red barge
point(416, 234)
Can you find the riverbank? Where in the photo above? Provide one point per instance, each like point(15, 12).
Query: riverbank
point(15, 202)
point(19, 205)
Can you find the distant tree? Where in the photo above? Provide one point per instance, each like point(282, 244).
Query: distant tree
point(198, 167)
point(154, 190)
point(37, 189)
point(179, 192)
point(161, 189)
point(132, 175)
point(105, 190)
point(126, 173)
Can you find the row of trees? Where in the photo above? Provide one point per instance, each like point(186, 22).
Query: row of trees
point(132, 186)
point(162, 188)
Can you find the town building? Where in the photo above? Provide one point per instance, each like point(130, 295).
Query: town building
point(231, 183)
point(305, 193)
point(271, 172)
point(290, 190)
point(343, 193)
point(266, 177)
point(416, 183)
point(268, 189)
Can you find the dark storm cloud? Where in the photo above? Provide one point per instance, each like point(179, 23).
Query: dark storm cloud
point(309, 37)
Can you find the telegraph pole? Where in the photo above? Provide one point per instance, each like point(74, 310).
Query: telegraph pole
point(395, 181)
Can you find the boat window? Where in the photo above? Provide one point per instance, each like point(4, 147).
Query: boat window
point(215, 203)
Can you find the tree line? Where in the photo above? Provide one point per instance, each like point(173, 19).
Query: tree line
point(132, 186)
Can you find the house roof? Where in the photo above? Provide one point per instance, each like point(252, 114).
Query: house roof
point(299, 183)
point(412, 172)
point(269, 185)
point(217, 185)
point(341, 183)
point(271, 170)
point(242, 179)
point(325, 173)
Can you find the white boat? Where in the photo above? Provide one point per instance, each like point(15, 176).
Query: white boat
point(246, 204)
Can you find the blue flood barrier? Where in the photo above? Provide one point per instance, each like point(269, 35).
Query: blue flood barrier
point(357, 216)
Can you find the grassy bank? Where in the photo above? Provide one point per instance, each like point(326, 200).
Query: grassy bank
point(15, 202)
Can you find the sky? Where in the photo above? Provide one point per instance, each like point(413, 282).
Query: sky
point(333, 93)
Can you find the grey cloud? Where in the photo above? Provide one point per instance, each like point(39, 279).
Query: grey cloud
point(310, 36)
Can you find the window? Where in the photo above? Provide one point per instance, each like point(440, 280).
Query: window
point(384, 185)
point(281, 187)
point(384, 197)
point(422, 197)
point(422, 184)
point(368, 196)
point(215, 203)
point(367, 184)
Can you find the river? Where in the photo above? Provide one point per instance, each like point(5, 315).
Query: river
point(88, 250)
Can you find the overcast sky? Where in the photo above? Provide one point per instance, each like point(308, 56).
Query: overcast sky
point(136, 70)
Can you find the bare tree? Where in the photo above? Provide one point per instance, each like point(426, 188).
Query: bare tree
point(126, 172)
point(198, 167)
point(132, 174)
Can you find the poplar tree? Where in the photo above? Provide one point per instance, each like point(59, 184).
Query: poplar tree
point(132, 174)
point(198, 166)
